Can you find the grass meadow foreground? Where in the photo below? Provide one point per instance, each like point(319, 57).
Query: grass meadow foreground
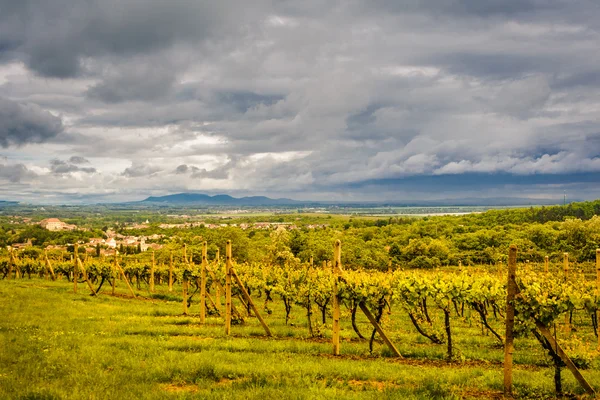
point(55, 344)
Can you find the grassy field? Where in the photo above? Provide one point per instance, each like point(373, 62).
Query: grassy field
point(55, 344)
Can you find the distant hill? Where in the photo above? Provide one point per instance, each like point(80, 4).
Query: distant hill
point(220, 199)
point(226, 200)
point(4, 203)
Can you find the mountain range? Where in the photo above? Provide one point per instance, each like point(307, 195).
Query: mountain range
point(227, 200)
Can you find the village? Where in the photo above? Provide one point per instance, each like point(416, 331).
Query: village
point(113, 241)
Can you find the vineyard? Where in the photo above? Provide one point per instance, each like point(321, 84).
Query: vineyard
point(437, 306)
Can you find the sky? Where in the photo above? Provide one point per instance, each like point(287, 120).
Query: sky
point(117, 100)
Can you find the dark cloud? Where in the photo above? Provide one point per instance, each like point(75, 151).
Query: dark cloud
point(308, 97)
point(15, 172)
point(57, 39)
point(60, 167)
point(78, 160)
point(242, 101)
point(23, 123)
point(182, 169)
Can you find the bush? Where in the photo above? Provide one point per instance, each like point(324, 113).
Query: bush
point(423, 262)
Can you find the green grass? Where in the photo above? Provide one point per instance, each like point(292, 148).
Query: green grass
point(58, 345)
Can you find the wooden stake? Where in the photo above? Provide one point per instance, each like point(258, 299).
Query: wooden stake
point(152, 274)
point(510, 319)
point(546, 262)
point(311, 261)
point(203, 284)
point(185, 253)
point(228, 288)
point(218, 287)
point(249, 300)
point(125, 279)
point(75, 271)
point(171, 272)
point(184, 288)
point(560, 352)
point(114, 274)
point(378, 328)
point(49, 266)
point(337, 268)
point(566, 270)
point(85, 276)
point(212, 302)
point(598, 288)
point(10, 263)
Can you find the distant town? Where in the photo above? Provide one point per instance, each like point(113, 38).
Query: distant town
point(114, 241)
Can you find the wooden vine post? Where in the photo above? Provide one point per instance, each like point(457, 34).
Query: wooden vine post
point(228, 288)
point(152, 267)
point(75, 270)
point(566, 270)
point(49, 266)
point(203, 283)
point(10, 264)
point(120, 269)
point(218, 286)
point(337, 265)
point(114, 274)
point(546, 262)
point(14, 262)
point(510, 320)
point(598, 288)
point(171, 272)
point(246, 295)
point(543, 329)
point(85, 275)
point(184, 289)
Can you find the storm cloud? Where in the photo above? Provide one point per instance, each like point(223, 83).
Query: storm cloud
point(316, 99)
point(14, 173)
point(22, 123)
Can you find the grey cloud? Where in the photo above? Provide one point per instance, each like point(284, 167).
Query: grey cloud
point(78, 160)
point(182, 169)
point(218, 173)
point(15, 172)
point(138, 80)
point(366, 91)
point(242, 101)
point(26, 123)
point(60, 167)
point(56, 39)
point(138, 170)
